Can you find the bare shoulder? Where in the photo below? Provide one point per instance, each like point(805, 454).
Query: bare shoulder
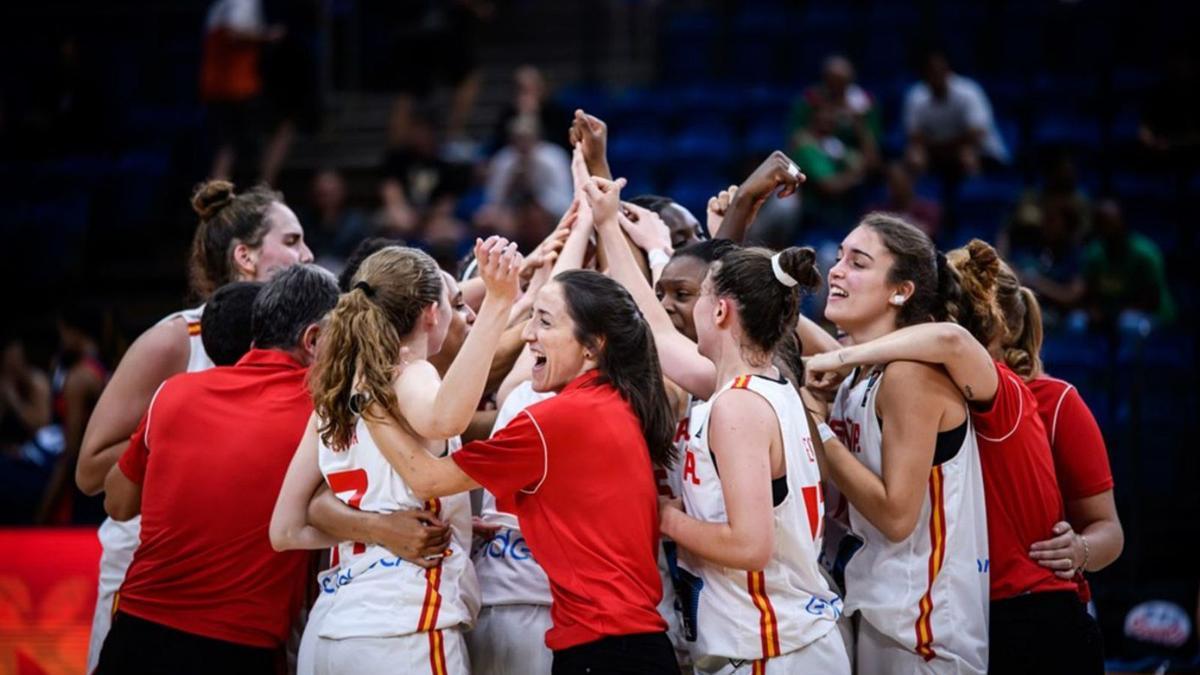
point(164, 348)
point(741, 409)
point(911, 382)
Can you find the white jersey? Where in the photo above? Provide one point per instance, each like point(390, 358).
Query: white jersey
point(670, 487)
point(740, 615)
point(928, 593)
point(508, 574)
point(118, 540)
point(377, 594)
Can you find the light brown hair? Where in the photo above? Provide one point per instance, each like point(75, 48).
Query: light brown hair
point(1023, 324)
point(227, 218)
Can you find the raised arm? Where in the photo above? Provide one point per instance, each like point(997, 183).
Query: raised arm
point(741, 431)
point(157, 354)
point(441, 411)
point(289, 528)
point(947, 344)
point(680, 359)
point(427, 476)
point(776, 173)
point(813, 338)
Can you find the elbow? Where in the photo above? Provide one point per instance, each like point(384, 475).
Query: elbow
point(280, 542)
point(953, 339)
point(755, 555)
point(87, 480)
point(898, 529)
point(424, 490)
point(117, 509)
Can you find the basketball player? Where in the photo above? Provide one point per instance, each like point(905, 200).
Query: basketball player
point(905, 458)
point(241, 236)
point(388, 615)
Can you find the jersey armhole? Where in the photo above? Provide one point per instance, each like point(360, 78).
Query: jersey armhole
point(545, 454)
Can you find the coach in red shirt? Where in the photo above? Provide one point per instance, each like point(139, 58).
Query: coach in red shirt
point(577, 470)
point(206, 592)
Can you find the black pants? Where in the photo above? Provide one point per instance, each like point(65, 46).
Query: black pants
point(1044, 633)
point(138, 647)
point(638, 654)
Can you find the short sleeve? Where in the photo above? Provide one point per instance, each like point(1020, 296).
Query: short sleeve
point(137, 453)
point(1080, 456)
point(1000, 420)
point(513, 459)
point(979, 110)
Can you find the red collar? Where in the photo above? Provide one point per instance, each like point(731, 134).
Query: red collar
point(585, 379)
point(258, 358)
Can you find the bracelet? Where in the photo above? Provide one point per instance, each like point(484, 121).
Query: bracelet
point(1086, 553)
point(657, 257)
point(826, 432)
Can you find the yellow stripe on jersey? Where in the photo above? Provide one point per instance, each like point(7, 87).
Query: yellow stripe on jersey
point(193, 328)
point(768, 624)
point(437, 653)
point(433, 599)
point(937, 554)
point(740, 382)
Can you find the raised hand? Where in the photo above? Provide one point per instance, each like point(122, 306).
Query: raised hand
point(499, 267)
point(717, 206)
point(644, 227)
point(591, 133)
point(776, 175)
point(604, 198)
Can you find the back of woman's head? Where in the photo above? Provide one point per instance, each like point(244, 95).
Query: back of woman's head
point(227, 218)
point(361, 342)
point(969, 291)
point(766, 287)
point(608, 322)
point(708, 250)
point(1022, 341)
point(915, 260)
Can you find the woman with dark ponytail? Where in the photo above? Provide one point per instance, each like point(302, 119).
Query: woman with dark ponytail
point(1036, 622)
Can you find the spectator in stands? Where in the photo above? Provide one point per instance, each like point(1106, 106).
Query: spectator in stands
point(835, 172)
point(1125, 275)
point(1170, 127)
point(531, 97)
point(418, 184)
point(230, 78)
point(902, 199)
point(856, 116)
point(24, 395)
point(949, 123)
point(334, 228)
point(79, 377)
point(528, 187)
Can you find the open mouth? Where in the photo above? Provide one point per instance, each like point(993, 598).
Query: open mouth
point(837, 292)
point(539, 361)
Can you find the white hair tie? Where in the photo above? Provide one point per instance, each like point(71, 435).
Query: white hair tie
point(783, 277)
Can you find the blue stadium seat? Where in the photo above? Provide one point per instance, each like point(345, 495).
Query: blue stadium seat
point(1076, 131)
point(703, 140)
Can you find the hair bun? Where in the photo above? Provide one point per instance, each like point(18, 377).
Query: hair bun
point(982, 263)
point(212, 196)
point(800, 262)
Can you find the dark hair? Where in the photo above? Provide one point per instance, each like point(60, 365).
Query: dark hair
point(708, 250)
point(362, 337)
point(225, 324)
point(916, 261)
point(226, 219)
point(659, 204)
point(293, 300)
point(364, 250)
point(605, 314)
point(768, 308)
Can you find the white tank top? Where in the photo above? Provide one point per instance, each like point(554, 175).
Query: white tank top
point(115, 535)
point(377, 594)
point(508, 574)
point(929, 593)
point(735, 614)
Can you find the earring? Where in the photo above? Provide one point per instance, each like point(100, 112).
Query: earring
point(898, 299)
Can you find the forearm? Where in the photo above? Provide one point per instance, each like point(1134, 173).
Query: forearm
point(1105, 541)
point(425, 475)
point(336, 521)
point(741, 214)
point(91, 469)
point(507, 353)
point(862, 488)
point(460, 391)
point(718, 543)
point(813, 338)
point(122, 497)
point(950, 345)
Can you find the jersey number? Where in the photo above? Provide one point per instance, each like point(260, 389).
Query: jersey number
point(353, 481)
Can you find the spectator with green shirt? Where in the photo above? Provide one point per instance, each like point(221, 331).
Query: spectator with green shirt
point(834, 169)
point(856, 115)
point(1124, 272)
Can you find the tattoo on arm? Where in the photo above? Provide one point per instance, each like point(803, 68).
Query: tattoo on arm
point(970, 394)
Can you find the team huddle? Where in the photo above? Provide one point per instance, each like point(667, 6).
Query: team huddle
point(625, 451)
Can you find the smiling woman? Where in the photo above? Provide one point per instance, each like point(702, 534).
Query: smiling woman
point(577, 470)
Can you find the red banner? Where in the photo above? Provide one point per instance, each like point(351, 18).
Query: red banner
point(47, 597)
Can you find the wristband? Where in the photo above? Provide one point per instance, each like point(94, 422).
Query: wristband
point(826, 432)
point(658, 257)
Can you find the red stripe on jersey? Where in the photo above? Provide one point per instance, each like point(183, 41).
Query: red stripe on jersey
point(353, 481)
point(437, 653)
point(740, 382)
point(937, 554)
point(433, 599)
point(811, 495)
point(768, 625)
point(758, 667)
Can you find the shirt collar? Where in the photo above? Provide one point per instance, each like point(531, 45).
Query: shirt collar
point(585, 379)
point(268, 358)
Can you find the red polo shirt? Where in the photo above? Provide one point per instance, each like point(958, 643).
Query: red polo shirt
point(1080, 456)
point(210, 455)
point(1020, 488)
point(576, 471)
